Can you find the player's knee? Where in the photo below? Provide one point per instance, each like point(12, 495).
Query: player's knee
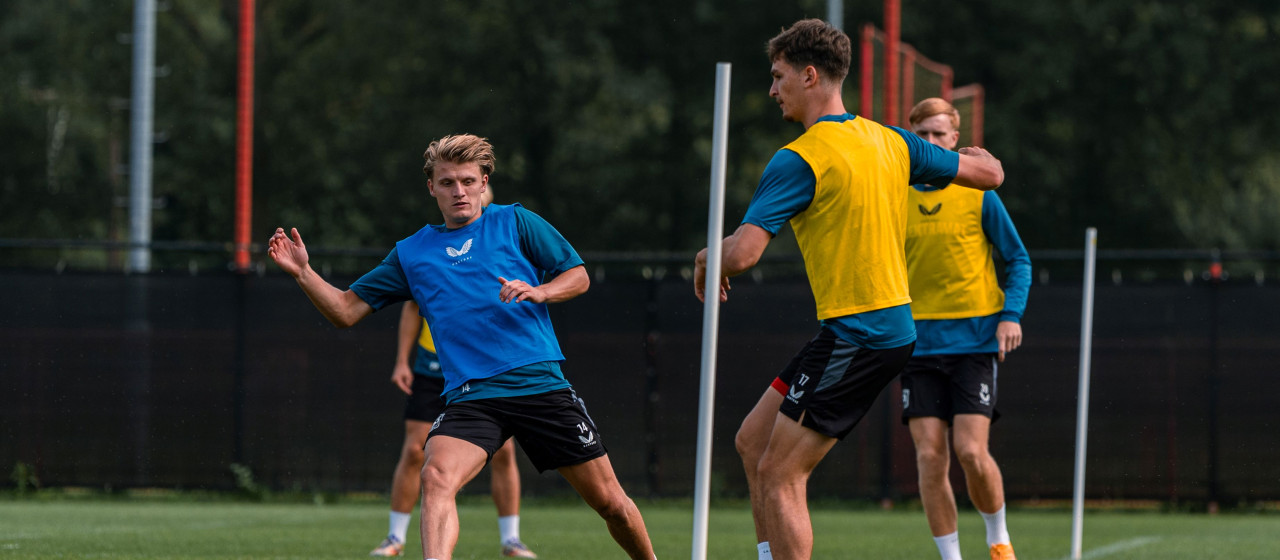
point(973, 456)
point(435, 480)
point(932, 457)
point(748, 447)
point(613, 507)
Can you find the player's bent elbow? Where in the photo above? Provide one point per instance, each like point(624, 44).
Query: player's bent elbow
point(341, 321)
point(347, 317)
point(571, 284)
point(997, 177)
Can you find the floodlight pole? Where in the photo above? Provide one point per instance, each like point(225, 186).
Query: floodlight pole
point(711, 312)
point(140, 111)
point(1082, 413)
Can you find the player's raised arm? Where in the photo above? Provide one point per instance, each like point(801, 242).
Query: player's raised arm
point(979, 169)
point(343, 308)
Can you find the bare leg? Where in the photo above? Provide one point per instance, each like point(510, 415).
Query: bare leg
point(504, 483)
point(982, 475)
point(406, 484)
point(596, 483)
point(751, 441)
point(450, 463)
point(783, 474)
point(933, 460)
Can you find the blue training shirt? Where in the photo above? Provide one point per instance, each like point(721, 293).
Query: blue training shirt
point(976, 335)
point(787, 188)
point(544, 249)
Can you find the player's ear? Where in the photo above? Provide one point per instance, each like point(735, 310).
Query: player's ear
point(810, 76)
point(430, 188)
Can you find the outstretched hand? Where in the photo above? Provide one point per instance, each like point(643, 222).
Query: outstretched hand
point(516, 291)
point(289, 254)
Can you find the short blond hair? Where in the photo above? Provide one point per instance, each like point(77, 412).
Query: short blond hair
point(459, 148)
point(934, 106)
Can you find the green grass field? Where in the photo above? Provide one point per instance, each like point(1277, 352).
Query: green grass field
point(566, 530)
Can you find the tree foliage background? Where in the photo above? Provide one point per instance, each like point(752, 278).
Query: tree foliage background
point(1152, 120)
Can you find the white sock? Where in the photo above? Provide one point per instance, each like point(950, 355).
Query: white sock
point(509, 528)
point(763, 550)
point(400, 525)
point(997, 532)
point(948, 546)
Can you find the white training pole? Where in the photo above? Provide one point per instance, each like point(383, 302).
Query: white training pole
point(1082, 412)
point(711, 313)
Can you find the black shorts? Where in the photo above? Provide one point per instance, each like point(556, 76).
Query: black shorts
point(425, 404)
point(553, 428)
point(945, 385)
point(831, 383)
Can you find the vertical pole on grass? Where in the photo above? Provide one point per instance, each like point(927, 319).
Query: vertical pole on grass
point(1082, 412)
point(711, 312)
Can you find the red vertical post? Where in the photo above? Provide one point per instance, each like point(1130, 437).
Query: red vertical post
point(244, 137)
point(892, 30)
point(867, 68)
point(947, 77)
point(908, 81)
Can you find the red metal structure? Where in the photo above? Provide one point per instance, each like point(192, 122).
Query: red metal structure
point(892, 29)
point(244, 137)
point(909, 76)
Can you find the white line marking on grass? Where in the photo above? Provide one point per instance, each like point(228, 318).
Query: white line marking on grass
point(1115, 547)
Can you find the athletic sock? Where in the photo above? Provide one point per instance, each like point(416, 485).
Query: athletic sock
point(399, 525)
point(763, 550)
point(948, 546)
point(997, 532)
point(509, 528)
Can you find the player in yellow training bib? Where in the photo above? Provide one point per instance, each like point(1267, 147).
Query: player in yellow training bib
point(842, 185)
point(965, 324)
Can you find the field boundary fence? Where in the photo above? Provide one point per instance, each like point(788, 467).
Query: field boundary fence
point(166, 379)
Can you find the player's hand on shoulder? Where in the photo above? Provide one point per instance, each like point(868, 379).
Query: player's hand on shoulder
point(975, 151)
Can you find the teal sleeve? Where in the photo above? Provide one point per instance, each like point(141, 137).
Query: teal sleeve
point(999, 229)
point(543, 245)
point(786, 189)
point(385, 284)
point(929, 164)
